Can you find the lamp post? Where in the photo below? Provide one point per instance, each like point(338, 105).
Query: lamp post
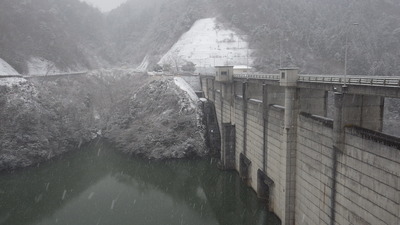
point(247, 58)
point(244, 39)
point(345, 55)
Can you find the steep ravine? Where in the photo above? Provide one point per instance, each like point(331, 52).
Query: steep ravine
point(147, 116)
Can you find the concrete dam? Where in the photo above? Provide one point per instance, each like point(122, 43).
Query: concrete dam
point(315, 159)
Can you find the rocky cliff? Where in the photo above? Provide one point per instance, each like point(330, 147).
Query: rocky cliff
point(45, 117)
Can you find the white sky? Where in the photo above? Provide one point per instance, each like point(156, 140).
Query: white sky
point(105, 5)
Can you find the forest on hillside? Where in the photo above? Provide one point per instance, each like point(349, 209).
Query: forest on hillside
point(69, 33)
point(310, 34)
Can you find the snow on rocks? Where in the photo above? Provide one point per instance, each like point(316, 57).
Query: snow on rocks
point(186, 87)
point(194, 99)
point(12, 81)
point(152, 117)
point(159, 121)
point(20, 89)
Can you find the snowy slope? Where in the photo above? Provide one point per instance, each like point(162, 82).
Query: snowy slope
point(145, 63)
point(6, 69)
point(184, 86)
point(209, 44)
point(41, 66)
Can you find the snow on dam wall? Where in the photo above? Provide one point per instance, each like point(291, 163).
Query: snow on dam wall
point(310, 169)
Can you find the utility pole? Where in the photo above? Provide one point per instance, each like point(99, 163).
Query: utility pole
point(247, 57)
point(345, 54)
point(280, 35)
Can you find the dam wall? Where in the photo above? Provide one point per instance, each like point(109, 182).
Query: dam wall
point(309, 169)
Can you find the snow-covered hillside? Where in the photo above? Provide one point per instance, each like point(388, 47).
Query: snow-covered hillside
point(208, 44)
point(41, 66)
point(6, 69)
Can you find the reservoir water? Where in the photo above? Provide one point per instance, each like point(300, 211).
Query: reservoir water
point(99, 186)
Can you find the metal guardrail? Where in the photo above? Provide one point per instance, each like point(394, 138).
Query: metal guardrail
point(352, 80)
point(258, 76)
point(56, 74)
point(8, 76)
point(30, 76)
point(385, 81)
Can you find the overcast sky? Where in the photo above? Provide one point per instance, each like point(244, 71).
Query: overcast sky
point(105, 5)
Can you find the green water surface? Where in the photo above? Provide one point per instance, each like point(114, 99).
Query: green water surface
point(99, 186)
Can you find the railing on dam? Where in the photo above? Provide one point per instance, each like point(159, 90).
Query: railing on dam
point(382, 81)
point(332, 79)
point(353, 80)
point(258, 76)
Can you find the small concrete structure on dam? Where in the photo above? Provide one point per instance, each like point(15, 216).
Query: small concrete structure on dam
point(315, 159)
